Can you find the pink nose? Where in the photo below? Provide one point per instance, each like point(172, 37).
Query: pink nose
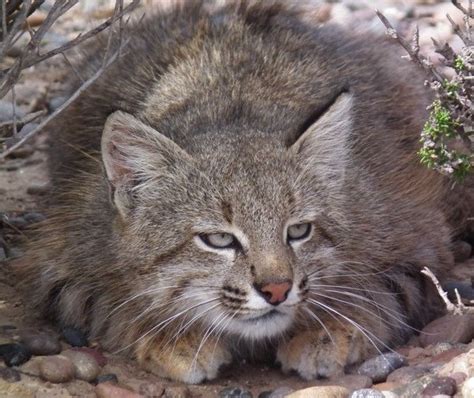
point(274, 293)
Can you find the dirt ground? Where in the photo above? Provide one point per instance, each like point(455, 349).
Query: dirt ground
point(23, 181)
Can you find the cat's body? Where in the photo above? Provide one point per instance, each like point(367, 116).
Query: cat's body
point(296, 143)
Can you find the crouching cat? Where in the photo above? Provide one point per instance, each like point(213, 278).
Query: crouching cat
point(239, 174)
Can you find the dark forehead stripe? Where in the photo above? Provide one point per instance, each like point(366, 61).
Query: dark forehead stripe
point(227, 211)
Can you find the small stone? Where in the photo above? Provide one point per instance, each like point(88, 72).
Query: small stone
point(414, 388)
point(57, 369)
point(448, 329)
point(97, 355)
point(380, 367)
point(10, 375)
point(56, 102)
point(280, 392)
point(407, 374)
point(74, 337)
point(387, 386)
point(389, 394)
point(462, 251)
point(468, 388)
point(440, 386)
point(355, 382)
point(366, 393)
point(323, 391)
point(6, 111)
point(446, 356)
point(34, 217)
point(234, 392)
point(36, 19)
point(14, 354)
point(40, 343)
point(108, 378)
point(151, 389)
point(177, 392)
point(109, 390)
point(459, 377)
point(38, 189)
point(85, 365)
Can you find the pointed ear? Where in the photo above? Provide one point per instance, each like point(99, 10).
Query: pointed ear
point(134, 153)
point(325, 144)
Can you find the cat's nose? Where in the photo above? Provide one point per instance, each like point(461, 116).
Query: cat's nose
point(274, 292)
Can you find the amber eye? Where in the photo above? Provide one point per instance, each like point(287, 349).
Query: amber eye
point(220, 240)
point(297, 232)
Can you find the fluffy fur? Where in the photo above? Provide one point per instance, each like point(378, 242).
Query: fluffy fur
point(243, 119)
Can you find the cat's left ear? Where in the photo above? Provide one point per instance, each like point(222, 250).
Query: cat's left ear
point(324, 146)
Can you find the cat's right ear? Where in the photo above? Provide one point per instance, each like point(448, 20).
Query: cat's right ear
point(134, 153)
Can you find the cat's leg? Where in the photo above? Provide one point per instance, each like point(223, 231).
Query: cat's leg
point(190, 359)
point(324, 353)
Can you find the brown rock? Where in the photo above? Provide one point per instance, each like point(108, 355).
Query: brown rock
point(36, 18)
point(85, 365)
point(440, 386)
point(96, 353)
point(446, 356)
point(151, 389)
point(448, 329)
point(109, 390)
point(355, 382)
point(407, 374)
point(324, 391)
point(56, 369)
point(177, 392)
point(387, 386)
point(459, 377)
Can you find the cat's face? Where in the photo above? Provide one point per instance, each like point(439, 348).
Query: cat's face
point(226, 238)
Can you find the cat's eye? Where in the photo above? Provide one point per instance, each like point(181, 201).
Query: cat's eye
point(221, 240)
point(297, 232)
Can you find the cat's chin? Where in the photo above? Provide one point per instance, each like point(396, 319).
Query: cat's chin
point(268, 325)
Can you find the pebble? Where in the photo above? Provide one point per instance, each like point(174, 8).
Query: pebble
point(56, 102)
point(462, 251)
point(14, 354)
point(57, 369)
point(459, 377)
point(151, 389)
point(234, 392)
point(38, 189)
point(109, 377)
point(109, 390)
point(177, 392)
point(390, 394)
point(440, 386)
point(10, 375)
point(40, 343)
point(415, 388)
point(97, 355)
point(468, 388)
point(85, 365)
point(322, 391)
point(366, 393)
point(74, 337)
point(6, 111)
point(407, 374)
point(380, 367)
point(355, 382)
point(448, 329)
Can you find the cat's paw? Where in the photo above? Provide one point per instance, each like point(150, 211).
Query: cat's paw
point(313, 354)
point(187, 360)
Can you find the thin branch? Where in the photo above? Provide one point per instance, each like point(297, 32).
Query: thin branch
point(456, 309)
point(27, 119)
point(4, 20)
point(458, 30)
point(15, 128)
point(459, 6)
point(78, 92)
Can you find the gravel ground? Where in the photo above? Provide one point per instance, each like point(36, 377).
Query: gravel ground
point(41, 361)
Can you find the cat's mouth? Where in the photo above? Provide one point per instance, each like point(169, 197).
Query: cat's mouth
point(265, 317)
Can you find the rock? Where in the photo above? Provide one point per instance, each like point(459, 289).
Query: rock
point(446, 356)
point(74, 337)
point(459, 377)
point(6, 111)
point(151, 389)
point(465, 290)
point(462, 251)
point(407, 374)
point(34, 217)
point(448, 329)
point(56, 102)
point(387, 386)
point(468, 388)
point(10, 375)
point(96, 354)
point(57, 369)
point(366, 393)
point(280, 392)
point(14, 354)
point(36, 18)
point(32, 367)
point(109, 390)
point(85, 365)
point(38, 189)
point(234, 392)
point(389, 394)
point(40, 343)
point(109, 377)
point(323, 391)
point(179, 392)
point(464, 363)
point(415, 388)
point(15, 390)
point(380, 367)
point(355, 382)
point(440, 386)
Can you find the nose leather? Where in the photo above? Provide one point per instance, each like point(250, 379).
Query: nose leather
point(275, 293)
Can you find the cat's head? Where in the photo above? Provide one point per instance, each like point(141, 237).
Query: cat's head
point(228, 232)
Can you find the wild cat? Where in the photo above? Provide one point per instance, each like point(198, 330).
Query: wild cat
point(242, 174)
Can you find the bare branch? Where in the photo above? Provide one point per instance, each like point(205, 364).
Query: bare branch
point(459, 6)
